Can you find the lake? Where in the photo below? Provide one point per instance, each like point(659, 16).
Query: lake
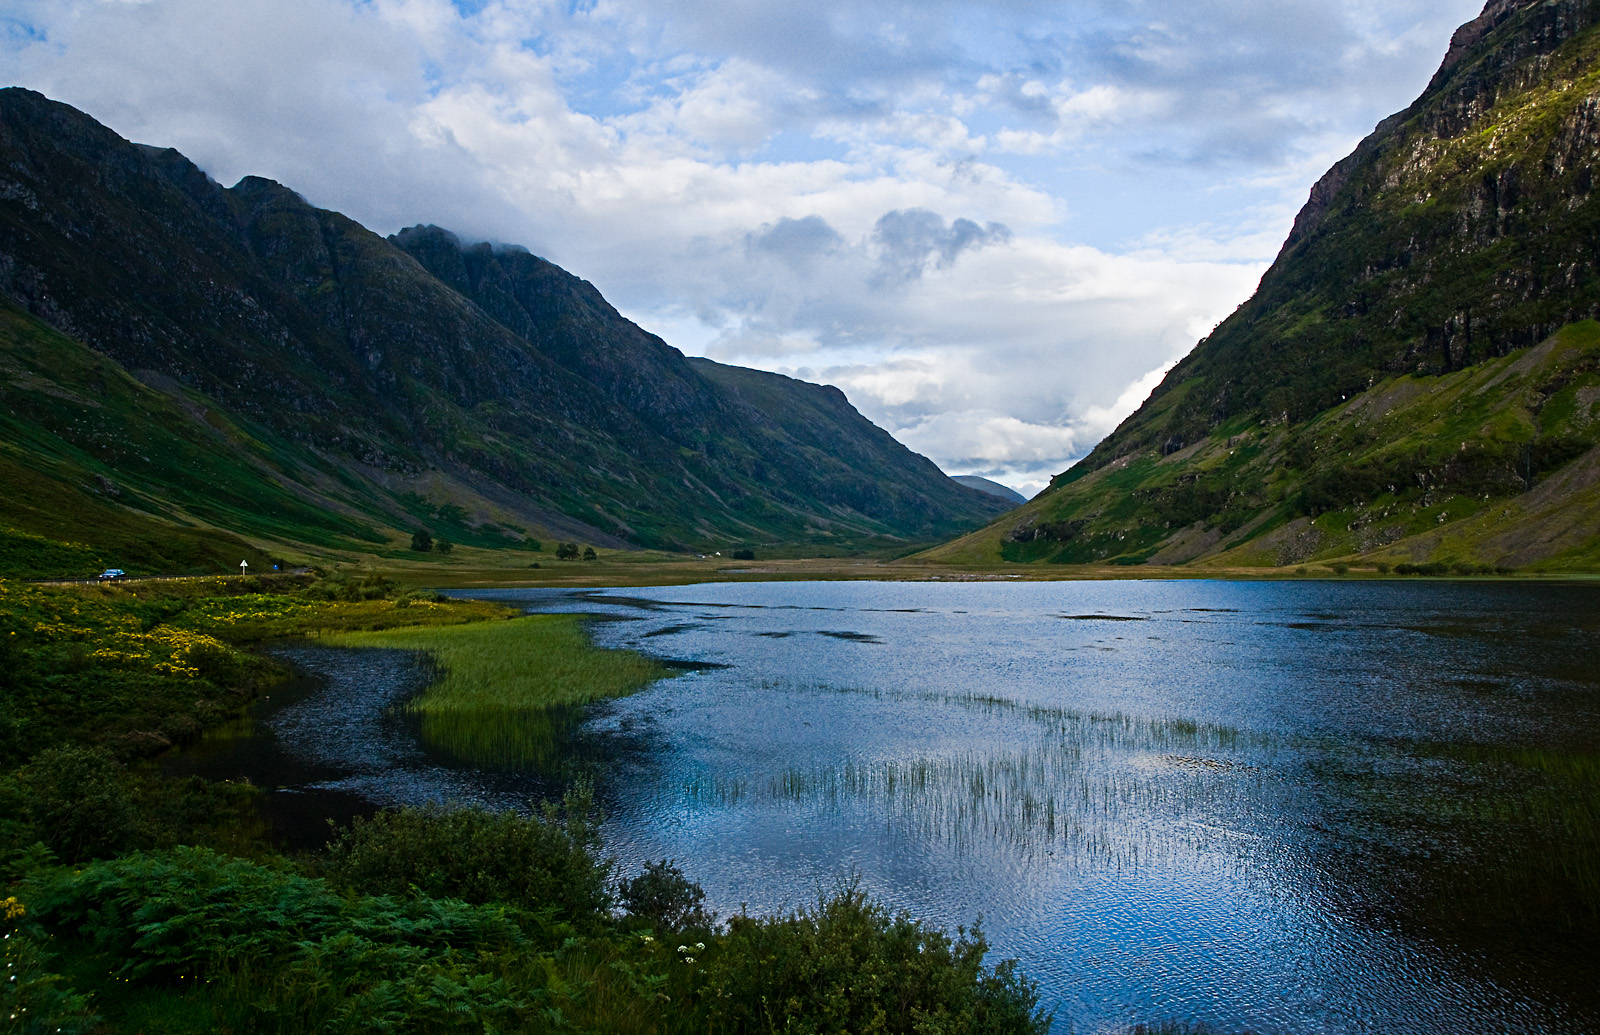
point(1361, 806)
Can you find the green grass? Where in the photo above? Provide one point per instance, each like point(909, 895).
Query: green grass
point(1448, 468)
point(507, 690)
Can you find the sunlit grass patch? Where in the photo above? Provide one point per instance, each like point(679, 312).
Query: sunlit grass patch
point(505, 690)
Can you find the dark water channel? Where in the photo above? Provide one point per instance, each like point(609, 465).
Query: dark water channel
point(1269, 807)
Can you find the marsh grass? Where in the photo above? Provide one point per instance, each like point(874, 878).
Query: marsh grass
point(1113, 790)
point(507, 693)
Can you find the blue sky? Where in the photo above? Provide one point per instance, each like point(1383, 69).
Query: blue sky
point(994, 225)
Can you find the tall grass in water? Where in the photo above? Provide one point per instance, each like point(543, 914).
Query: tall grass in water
point(506, 692)
point(1100, 790)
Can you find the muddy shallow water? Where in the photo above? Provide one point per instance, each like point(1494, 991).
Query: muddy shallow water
point(1273, 807)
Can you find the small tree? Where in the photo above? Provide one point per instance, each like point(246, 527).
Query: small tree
point(443, 546)
point(567, 552)
point(421, 541)
point(589, 554)
point(79, 803)
point(665, 900)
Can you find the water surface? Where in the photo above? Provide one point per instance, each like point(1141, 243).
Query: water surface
point(1271, 807)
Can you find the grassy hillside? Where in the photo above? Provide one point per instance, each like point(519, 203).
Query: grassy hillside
point(1414, 380)
point(1497, 464)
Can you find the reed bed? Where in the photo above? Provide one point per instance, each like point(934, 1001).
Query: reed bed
point(507, 693)
point(1104, 789)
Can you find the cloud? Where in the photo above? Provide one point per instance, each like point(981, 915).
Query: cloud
point(910, 240)
point(798, 242)
point(990, 223)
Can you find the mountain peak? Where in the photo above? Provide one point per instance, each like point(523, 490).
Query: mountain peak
point(1473, 32)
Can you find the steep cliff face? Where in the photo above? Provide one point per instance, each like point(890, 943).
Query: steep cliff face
point(407, 381)
point(1461, 234)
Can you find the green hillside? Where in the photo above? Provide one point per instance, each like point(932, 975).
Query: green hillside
point(187, 366)
point(1415, 379)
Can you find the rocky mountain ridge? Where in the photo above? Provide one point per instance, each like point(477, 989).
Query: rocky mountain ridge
point(389, 384)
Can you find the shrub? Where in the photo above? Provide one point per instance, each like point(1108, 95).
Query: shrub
point(443, 546)
point(849, 965)
point(13, 673)
point(33, 998)
point(78, 802)
point(589, 554)
point(480, 856)
point(421, 541)
point(744, 555)
point(1341, 568)
point(662, 898)
point(342, 586)
point(166, 911)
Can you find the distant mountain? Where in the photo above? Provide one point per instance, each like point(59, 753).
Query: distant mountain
point(1417, 379)
point(230, 362)
point(1011, 496)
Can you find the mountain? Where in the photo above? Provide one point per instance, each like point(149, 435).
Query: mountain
point(1011, 496)
point(184, 367)
point(1416, 379)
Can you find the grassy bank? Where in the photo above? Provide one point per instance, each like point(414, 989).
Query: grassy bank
point(506, 690)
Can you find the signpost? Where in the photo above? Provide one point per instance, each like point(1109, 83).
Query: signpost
point(242, 566)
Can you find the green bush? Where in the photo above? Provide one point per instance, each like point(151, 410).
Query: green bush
point(13, 673)
point(287, 951)
point(173, 912)
point(342, 586)
point(566, 551)
point(34, 999)
point(419, 596)
point(78, 802)
point(848, 965)
point(540, 862)
point(663, 899)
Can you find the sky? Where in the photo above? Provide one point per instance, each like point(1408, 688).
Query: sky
point(995, 225)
